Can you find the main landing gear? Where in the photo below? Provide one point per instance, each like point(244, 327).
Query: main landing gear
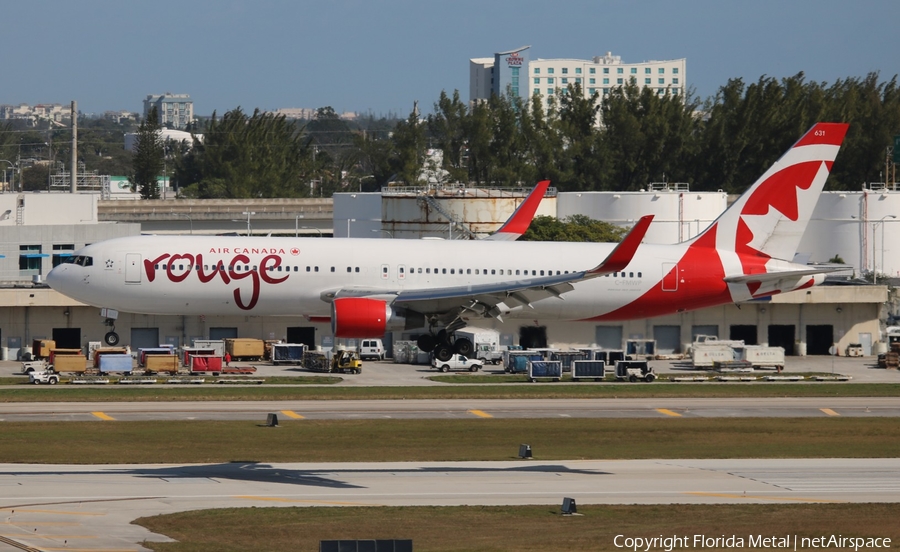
point(444, 346)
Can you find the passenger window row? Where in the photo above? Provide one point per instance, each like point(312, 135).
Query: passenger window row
point(452, 271)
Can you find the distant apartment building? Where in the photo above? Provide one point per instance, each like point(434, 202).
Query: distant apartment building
point(173, 110)
point(39, 112)
point(307, 113)
point(549, 78)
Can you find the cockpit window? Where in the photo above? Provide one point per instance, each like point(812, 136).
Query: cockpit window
point(80, 260)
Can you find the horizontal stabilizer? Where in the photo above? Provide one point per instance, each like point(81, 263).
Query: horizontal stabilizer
point(781, 274)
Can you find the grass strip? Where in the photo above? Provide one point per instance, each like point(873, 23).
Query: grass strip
point(525, 528)
point(74, 393)
point(446, 440)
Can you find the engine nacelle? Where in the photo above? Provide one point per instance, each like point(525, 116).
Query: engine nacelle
point(361, 317)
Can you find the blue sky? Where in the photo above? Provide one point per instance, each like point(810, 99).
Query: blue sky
point(381, 55)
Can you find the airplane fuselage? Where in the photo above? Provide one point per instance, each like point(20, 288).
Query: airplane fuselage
point(189, 275)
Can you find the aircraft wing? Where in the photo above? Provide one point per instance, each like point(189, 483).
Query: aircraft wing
point(485, 299)
point(521, 218)
point(783, 274)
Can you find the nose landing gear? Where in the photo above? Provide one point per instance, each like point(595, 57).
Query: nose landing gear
point(111, 338)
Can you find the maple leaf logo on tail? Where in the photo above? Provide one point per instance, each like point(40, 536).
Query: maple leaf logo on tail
point(769, 219)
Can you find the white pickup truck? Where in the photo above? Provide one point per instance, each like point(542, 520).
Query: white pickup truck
point(457, 362)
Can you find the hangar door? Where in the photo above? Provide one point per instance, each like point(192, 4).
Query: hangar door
point(668, 339)
point(67, 338)
point(302, 334)
point(747, 332)
point(608, 337)
point(142, 338)
point(704, 329)
point(223, 333)
point(782, 336)
point(819, 339)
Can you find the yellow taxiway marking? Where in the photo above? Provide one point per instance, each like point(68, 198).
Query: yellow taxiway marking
point(480, 413)
point(331, 502)
point(829, 411)
point(103, 416)
point(668, 412)
point(38, 536)
point(60, 512)
point(292, 414)
point(756, 497)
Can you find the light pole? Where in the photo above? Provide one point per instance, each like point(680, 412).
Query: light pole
point(874, 270)
point(297, 225)
point(361, 178)
point(388, 232)
point(187, 217)
point(349, 220)
point(248, 213)
point(312, 228)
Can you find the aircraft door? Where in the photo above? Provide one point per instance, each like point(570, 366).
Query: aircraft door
point(670, 277)
point(133, 268)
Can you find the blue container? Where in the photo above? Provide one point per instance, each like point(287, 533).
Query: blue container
point(115, 363)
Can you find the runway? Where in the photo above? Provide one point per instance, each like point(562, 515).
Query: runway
point(91, 507)
point(454, 409)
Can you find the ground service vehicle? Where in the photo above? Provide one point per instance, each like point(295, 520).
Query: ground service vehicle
point(33, 366)
point(40, 348)
point(457, 362)
point(372, 349)
point(48, 376)
point(346, 361)
point(634, 370)
point(205, 364)
point(479, 343)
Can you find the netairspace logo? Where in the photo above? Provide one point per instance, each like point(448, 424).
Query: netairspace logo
point(787, 542)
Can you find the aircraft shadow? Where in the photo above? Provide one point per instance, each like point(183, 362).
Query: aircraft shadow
point(323, 478)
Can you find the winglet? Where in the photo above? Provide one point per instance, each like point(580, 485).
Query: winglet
point(521, 218)
point(624, 252)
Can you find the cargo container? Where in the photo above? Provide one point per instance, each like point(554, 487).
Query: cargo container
point(218, 345)
point(544, 369)
point(316, 362)
point(143, 353)
point(516, 361)
point(609, 356)
point(760, 356)
point(705, 355)
point(206, 363)
point(116, 363)
point(187, 352)
point(62, 352)
point(640, 348)
point(70, 364)
point(287, 353)
point(161, 363)
point(567, 358)
point(245, 348)
point(588, 369)
point(40, 348)
point(98, 353)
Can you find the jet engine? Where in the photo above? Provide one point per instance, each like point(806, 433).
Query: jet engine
point(361, 317)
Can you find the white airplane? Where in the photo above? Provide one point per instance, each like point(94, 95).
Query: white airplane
point(367, 287)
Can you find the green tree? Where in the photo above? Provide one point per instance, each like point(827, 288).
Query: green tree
point(409, 148)
point(262, 155)
point(576, 228)
point(147, 164)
